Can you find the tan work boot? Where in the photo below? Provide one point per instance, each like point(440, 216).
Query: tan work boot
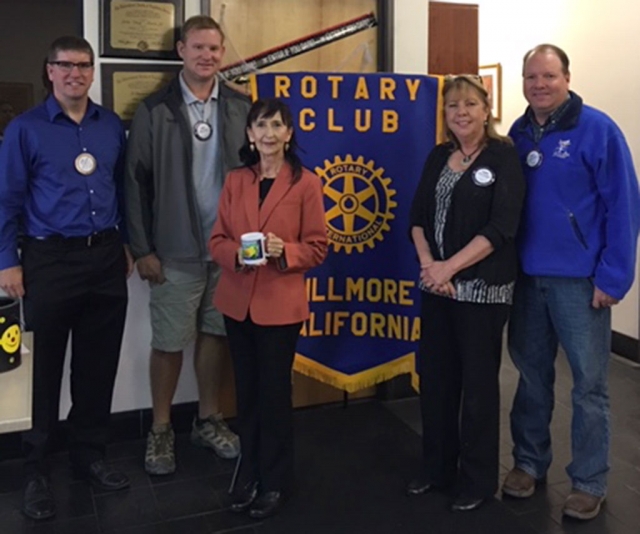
point(519, 484)
point(582, 505)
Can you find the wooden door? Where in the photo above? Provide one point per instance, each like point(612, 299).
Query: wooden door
point(453, 38)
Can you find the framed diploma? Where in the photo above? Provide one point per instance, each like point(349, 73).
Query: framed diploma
point(146, 29)
point(310, 35)
point(124, 85)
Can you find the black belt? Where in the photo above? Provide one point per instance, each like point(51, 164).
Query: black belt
point(84, 241)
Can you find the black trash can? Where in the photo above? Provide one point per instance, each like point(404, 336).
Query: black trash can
point(10, 334)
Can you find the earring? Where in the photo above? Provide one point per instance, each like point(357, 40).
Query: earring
point(252, 147)
point(286, 146)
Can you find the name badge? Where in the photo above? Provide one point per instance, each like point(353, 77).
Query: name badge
point(534, 158)
point(202, 130)
point(85, 164)
point(483, 177)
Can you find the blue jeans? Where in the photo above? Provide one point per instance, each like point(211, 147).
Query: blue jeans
point(548, 310)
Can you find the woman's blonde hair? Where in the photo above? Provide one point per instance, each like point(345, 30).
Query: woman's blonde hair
point(464, 83)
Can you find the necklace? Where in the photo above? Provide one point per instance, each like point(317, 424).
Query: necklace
point(466, 160)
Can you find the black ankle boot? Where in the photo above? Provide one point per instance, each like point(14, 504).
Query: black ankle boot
point(267, 504)
point(419, 486)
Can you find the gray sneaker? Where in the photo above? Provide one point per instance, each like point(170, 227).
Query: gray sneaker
point(160, 458)
point(214, 434)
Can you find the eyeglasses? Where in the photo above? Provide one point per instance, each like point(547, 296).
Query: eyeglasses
point(67, 66)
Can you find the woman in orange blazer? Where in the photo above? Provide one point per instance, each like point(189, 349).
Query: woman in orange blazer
point(264, 306)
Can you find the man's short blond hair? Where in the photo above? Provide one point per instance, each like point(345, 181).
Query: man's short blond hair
point(199, 22)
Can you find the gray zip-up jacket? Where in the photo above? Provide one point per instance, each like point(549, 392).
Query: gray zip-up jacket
point(161, 205)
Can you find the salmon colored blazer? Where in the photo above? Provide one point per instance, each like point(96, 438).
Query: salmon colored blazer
point(272, 295)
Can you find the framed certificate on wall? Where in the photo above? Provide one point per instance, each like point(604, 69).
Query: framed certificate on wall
point(124, 85)
point(145, 29)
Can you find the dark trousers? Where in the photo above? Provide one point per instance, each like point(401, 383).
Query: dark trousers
point(262, 360)
point(71, 287)
point(460, 351)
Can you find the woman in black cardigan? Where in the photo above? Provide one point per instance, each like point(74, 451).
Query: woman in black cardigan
point(464, 217)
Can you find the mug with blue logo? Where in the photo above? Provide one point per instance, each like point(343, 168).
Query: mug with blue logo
point(10, 334)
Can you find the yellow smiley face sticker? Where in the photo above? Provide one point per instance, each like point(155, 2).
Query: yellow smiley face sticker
point(10, 340)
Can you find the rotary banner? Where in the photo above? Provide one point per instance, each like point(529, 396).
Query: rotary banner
point(367, 137)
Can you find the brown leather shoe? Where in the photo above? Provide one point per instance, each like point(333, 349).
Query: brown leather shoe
point(519, 484)
point(582, 505)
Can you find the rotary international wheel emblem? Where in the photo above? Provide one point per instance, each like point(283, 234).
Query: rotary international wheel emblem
point(358, 202)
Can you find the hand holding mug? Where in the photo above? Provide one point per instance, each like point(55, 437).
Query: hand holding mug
point(275, 245)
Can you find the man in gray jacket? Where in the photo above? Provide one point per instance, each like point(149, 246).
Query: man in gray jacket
point(183, 140)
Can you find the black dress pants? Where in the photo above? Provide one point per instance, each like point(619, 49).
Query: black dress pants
point(262, 360)
point(78, 288)
point(460, 353)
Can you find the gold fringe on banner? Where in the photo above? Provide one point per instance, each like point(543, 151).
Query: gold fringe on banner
point(352, 383)
point(440, 133)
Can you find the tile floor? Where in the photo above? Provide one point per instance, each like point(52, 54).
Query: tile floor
point(621, 512)
point(193, 500)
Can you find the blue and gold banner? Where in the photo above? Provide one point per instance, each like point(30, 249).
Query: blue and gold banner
point(367, 137)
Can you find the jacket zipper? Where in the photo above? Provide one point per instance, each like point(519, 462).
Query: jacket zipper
point(576, 230)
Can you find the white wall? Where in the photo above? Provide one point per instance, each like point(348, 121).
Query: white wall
point(410, 25)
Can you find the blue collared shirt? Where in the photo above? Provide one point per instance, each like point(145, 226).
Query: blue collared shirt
point(40, 188)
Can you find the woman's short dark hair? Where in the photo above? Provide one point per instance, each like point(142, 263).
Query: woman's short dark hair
point(267, 108)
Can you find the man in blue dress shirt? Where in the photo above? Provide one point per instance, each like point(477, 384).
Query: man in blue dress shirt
point(61, 170)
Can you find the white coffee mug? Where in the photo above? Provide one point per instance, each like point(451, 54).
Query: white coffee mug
point(254, 251)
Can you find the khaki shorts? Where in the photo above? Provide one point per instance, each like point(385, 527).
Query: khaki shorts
point(182, 306)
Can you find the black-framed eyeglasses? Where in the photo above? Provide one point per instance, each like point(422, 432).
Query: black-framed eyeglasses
point(67, 66)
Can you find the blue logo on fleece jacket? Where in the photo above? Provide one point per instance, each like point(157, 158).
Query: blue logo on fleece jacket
point(582, 209)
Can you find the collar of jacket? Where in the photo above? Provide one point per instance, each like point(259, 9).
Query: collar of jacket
point(567, 121)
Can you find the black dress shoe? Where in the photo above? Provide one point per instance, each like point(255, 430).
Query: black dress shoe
point(466, 504)
point(38, 500)
point(101, 476)
point(244, 498)
point(266, 505)
point(419, 486)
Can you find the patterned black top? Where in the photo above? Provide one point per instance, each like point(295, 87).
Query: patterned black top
point(474, 290)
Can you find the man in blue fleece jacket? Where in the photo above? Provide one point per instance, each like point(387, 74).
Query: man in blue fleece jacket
point(577, 247)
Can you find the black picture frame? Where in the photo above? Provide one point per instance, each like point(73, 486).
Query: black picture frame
point(109, 70)
point(141, 50)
